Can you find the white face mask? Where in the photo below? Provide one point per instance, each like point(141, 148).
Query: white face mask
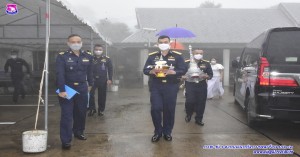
point(13, 56)
point(213, 62)
point(198, 56)
point(98, 53)
point(164, 47)
point(75, 47)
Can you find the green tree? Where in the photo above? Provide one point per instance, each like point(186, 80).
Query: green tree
point(113, 31)
point(210, 4)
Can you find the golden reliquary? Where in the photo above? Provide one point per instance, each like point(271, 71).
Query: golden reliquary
point(161, 67)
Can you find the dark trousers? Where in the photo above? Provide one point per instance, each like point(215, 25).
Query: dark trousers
point(18, 88)
point(102, 89)
point(196, 94)
point(73, 112)
point(163, 100)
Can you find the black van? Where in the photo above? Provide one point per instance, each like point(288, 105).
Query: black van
point(268, 76)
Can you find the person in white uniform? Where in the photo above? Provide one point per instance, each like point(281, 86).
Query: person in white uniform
point(214, 85)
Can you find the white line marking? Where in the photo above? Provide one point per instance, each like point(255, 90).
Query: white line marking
point(7, 123)
point(23, 105)
point(28, 95)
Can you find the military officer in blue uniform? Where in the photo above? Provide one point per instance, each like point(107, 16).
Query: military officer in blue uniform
point(196, 91)
point(73, 68)
point(17, 75)
point(164, 89)
point(102, 73)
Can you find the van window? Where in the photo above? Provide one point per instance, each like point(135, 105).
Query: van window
point(252, 52)
point(284, 47)
point(250, 57)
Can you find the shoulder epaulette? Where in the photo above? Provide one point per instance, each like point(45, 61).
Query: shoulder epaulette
point(61, 53)
point(187, 60)
point(152, 53)
point(106, 56)
point(177, 52)
point(205, 60)
point(90, 53)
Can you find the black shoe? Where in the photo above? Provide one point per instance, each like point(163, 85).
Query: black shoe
point(155, 138)
point(66, 146)
point(199, 122)
point(168, 137)
point(188, 118)
point(80, 137)
point(100, 114)
point(92, 112)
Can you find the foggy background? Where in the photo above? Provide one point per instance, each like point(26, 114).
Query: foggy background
point(103, 13)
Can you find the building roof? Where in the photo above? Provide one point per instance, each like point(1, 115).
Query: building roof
point(292, 10)
point(214, 25)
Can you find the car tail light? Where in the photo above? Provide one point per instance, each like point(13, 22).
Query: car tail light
point(282, 81)
point(264, 72)
point(265, 79)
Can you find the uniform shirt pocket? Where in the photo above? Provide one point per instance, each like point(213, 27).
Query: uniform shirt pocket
point(71, 66)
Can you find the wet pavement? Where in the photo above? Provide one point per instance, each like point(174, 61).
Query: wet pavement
point(126, 129)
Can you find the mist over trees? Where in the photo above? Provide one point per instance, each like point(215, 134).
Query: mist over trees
point(113, 31)
point(210, 4)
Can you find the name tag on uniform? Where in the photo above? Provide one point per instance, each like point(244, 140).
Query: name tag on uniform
point(85, 60)
point(202, 66)
point(171, 58)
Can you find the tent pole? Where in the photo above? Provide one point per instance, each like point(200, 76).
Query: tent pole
point(92, 42)
point(47, 16)
point(106, 49)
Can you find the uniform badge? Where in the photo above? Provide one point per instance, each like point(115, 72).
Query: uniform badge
point(11, 9)
point(71, 68)
point(85, 60)
point(202, 66)
point(70, 60)
point(171, 58)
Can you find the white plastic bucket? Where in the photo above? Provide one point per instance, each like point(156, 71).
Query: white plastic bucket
point(114, 88)
point(34, 141)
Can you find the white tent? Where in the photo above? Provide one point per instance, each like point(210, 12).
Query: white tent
point(26, 31)
point(27, 28)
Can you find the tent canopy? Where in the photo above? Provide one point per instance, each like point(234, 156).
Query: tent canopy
point(27, 28)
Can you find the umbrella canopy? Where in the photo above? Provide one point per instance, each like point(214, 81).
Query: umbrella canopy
point(176, 32)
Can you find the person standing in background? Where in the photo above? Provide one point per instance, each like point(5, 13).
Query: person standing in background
point(214, 85)
point(102, 74)
point(17, 75)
